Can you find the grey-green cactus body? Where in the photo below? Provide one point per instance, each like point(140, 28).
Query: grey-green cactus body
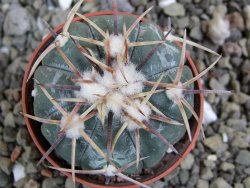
point(54, 71)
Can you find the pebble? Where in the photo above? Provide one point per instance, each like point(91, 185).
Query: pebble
point(202, 184)
point(196, 33)
point(188, 162)
point(3, 148)
point(238, 185)
point(215, 84)
point(212, 158)
point(218, 29)
point(225, 166)
point(32, 184)
point(246, 12)
point(5, 107)
point(31, 168)
point(17, 24)
point(219, 183)
point(49, 183)
point(183, 22)
point(243, 45)
point(231, 48)
point(214, 143)
point(237, 124)
point(9, 134)
point(9, 120)
point(165, 3)
point(243, 158)
point(209, 115)
point(247, 182)
point(224, 79)
point(22, 136)
point(236, 21)
point(4, 179)
point(175, 9)
point(207, 174)
point(5, 165)
point(18, 172)
point(193, 180)
point(240, 142)
point(65, 4)
point(247, 171)
point(69, 183)
point(184, 176)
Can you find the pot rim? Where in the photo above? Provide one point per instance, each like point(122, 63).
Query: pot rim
point(56, 164)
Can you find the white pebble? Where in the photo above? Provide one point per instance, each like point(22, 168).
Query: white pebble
point(209, 115)
point(212, 158)
point(225, 137)
point(165, 3)
point(65, 4)
point(218, 29)
point(18, 172)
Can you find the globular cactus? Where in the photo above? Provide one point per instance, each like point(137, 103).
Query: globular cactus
point(113, 94)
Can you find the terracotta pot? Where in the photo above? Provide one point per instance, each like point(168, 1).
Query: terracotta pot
point(169, 162)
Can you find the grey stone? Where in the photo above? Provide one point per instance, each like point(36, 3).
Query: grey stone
point(3, 149)
point(4, 179)
point(237, 124)
point(215, 85)
point(22, 137)
point(69, 183)
point(31, 168)
point(219, 183)
point(238, 185)
point(214, 142)
point(210, 164)
point(158, 184)
point(20, 183)
point(9, 134)
point(188, 162)
point(247, 171)
point(193, 180)
point(225, 166)
point(32, 184)
point(243, 158)
point(6, 165)
point(207, 174)
point(196, 33)
point(183, 22)
point(49, 183)
point(17, 21)
point(247, 182)
point(246, 11)
point(173, 174)
point(202, 184)
point(224, 79)
point(240, 98)
point(9, 120)
point(19, 42)
point(1, 23)
point(184, 176)
point(5, 107)
point(240, 142)
point(175, 9)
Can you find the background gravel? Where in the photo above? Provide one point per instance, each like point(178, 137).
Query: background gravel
point(222, 160)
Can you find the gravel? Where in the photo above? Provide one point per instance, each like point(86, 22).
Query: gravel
point(17, 24)
point(243, 158)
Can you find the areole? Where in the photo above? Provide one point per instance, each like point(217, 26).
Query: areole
point(169, 163)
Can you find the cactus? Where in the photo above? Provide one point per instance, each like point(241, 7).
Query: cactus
point(113, 94)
